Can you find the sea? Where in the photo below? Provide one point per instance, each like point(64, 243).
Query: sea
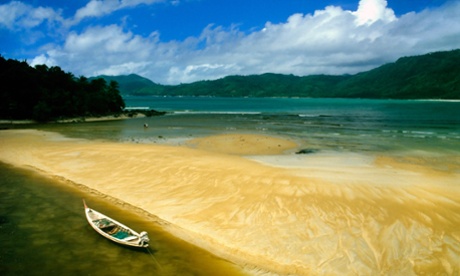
point(42, 225)
point(323, 125)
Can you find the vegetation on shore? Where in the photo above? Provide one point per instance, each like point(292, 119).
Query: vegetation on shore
point(43, 93)
point(430, 76)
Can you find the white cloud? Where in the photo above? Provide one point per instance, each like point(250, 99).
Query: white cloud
point(10, 13)
point(109, 50)
point(123, 68)
point(97, 8)
point(369, 11)
point(329, 41)
point(196, 72)
point(17, 16)
point(41, 59)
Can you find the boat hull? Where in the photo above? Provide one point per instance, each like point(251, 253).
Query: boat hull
point(115, 230)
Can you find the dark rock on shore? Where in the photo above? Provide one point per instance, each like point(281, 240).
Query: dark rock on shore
point(307, 151)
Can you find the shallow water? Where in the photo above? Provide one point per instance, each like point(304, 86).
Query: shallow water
point(43, 231)
point(337, 125)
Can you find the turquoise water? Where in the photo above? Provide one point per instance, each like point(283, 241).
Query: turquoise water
point(355, 125)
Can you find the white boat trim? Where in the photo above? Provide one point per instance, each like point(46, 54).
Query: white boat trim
point(115, 230)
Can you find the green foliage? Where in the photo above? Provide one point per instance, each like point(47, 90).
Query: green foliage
point(45, 94)
point(435, 76)
point(132, 84)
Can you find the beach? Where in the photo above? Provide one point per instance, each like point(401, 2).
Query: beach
point(249, 199)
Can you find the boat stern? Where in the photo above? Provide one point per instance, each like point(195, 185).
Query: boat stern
point(144, 239)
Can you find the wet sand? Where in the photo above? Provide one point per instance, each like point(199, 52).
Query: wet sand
point(7, 123)
point(272, 212)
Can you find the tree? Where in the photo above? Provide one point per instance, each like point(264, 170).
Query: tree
point(46, 93)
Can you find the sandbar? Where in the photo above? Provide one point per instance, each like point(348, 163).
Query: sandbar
point(271, 211)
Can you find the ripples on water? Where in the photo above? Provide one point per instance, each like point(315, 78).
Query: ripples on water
point(43, 231)
point(326, 124)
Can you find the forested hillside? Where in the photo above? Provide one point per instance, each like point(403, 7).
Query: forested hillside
point(434, 76)
point(47, 93)
point(129, 83)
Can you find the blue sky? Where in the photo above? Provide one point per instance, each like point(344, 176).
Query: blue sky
point(182, 41)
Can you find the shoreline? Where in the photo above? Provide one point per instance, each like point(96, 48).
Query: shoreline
point(73, 120)
point(128, 114)
point(322, 215)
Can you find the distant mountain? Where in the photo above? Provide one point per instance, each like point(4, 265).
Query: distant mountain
point(435, 76)
point(130, 84)
point(265, 85)
point(430, 76)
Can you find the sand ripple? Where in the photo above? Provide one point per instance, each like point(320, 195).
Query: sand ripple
point(324, 215)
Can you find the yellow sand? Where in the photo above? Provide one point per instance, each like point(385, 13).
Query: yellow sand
point(317, 215)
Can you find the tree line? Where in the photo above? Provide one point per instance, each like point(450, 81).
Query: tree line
point(45, 93)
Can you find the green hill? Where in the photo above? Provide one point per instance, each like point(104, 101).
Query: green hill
point(265, 85)
point(130, 84)
point(435, 76)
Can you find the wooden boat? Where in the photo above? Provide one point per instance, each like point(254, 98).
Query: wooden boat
point(114, 230)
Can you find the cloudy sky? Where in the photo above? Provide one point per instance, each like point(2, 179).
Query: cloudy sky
point(181, 41)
